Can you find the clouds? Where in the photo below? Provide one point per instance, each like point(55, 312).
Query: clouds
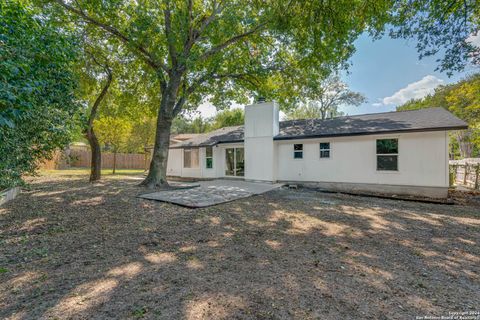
point(474, 39)
point(207, 110)
point(414, 90)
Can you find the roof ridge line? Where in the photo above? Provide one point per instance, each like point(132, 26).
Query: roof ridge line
point(364, 114)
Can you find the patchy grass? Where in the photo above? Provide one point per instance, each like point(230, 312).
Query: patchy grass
point(86, 172)
point(73, 250)
point(140, 312)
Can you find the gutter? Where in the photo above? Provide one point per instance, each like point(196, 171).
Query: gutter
point(368, 133)
point(316, 136)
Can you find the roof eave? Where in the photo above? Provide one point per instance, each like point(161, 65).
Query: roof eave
point(369, 133)
point(315, 136)
point(206, 145)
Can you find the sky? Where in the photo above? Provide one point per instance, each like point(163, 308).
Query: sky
point(389, 73)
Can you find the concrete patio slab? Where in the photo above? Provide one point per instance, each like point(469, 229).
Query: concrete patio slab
point(210, 193)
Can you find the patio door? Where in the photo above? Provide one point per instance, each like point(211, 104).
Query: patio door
point(234, 162)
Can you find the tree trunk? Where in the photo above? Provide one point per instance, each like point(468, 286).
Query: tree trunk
point(96, 163)
point(114, 161)
point(145, 159)
point(157, 175)
point(323, 113)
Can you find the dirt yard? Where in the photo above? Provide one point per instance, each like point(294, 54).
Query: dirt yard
point(70, 250)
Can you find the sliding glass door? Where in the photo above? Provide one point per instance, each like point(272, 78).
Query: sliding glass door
point(230, 162)
point(234, 162)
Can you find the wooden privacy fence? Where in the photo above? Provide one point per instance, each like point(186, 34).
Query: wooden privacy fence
point(82, 158)
point(58, 162)
point(78, 158)
point(465, 174)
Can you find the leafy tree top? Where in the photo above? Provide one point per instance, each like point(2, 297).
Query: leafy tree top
point(227, 49)
point(440, 27)
point(36, 60)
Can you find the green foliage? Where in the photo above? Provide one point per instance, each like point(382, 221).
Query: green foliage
point(113, 132)
point(311, 110)
point(34, 56)
point(223, 51)
point(37, 104)
point(229, 50)
point(322, 98)
point(228, 118)
point(142, 135)
point(440, 27)
point(224, 118)
point(463, 100)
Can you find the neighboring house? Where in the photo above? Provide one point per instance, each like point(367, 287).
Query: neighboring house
point(176, 139)
point(395, 152)
point(179, 138)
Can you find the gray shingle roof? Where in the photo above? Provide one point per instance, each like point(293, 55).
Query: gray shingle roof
point(431, 119)
point(223, 135)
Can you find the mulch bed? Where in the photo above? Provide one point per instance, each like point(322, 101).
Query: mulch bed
point(72, 250)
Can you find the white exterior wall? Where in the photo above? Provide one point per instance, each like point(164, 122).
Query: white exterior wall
point(261, 125)
point(422, 160)
point(175, 164)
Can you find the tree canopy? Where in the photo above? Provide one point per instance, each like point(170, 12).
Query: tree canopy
point(227, 50)
point(224, 118)
point(321, 99)
point(463, 100)
point(441, 28)
point(37, 82)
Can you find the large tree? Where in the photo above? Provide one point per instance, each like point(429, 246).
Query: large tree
point(96, 78)
point(441, 27)
point(113, 133)
point(37, 84)
point(228, 118)
point(224, 50)
point(463, 100)
point(321, 99)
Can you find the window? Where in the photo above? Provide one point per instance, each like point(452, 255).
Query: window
point(298, 151)
point(190, 158)
point(209, 157)
point(325, 150)
point(234, 162)
point(387, 154)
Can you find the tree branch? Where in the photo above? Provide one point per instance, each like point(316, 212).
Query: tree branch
point(168, 35)
point(206, 21)
point(147, 56)
point(102, 94)
point(230, 41)
point(195, 34)
point(187, 91)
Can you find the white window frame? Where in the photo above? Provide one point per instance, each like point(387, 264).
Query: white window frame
point(235, 169)
point(329, 150)
point(387, 154)
point(208, 157)
point(295, 151)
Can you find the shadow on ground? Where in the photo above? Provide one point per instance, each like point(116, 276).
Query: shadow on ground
point(73, 250)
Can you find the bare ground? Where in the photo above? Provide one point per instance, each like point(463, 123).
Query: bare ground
point(70, 250)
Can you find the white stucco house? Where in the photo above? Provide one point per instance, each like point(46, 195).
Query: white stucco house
point(393, 153)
